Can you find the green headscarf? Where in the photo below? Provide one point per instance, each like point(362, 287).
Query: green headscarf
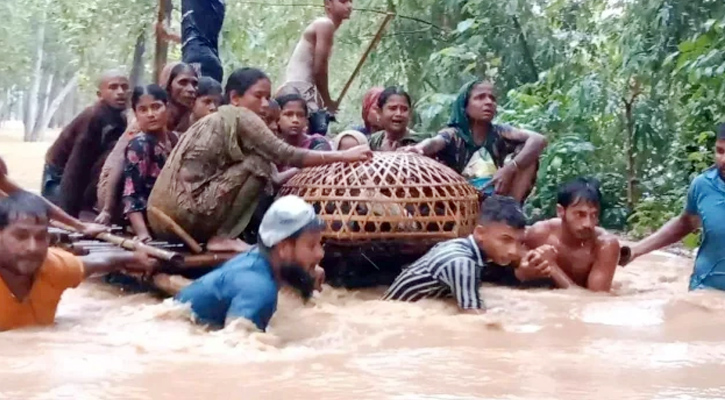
point(459, 117)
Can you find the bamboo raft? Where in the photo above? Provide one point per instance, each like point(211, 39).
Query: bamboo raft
point(176, 259)
point(385, 213)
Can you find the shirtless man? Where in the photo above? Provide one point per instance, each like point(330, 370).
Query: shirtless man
point(571, 250)
point(307, 72)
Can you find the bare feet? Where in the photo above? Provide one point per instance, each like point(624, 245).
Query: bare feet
point(221, 244)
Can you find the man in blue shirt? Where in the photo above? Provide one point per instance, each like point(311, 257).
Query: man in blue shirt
point(706, 206)
point(246, 286)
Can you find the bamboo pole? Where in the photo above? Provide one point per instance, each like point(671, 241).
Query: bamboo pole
point(162, 46)
point(371, 46)
point(131, 245)
point(194, 246)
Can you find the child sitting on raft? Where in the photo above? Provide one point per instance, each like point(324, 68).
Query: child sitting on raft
point(145, 154)
point(209, 98)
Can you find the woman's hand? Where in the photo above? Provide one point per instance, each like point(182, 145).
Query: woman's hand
point(357, 153)
point(92, 230)
point(412, 149)
point(103, 218)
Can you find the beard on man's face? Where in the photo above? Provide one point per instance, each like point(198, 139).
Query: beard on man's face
point(299, 279)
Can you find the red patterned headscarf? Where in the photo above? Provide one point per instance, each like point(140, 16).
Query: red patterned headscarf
point(370, 100)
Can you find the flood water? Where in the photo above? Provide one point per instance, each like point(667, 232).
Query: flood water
point(650, 339)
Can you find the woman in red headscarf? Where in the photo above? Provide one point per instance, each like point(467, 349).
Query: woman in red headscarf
point(370, 112)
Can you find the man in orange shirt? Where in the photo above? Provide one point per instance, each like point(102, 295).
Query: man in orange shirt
point(33, 276)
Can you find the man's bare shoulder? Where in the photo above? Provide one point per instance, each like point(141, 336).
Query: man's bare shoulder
point(607, 241)
point(538, 233)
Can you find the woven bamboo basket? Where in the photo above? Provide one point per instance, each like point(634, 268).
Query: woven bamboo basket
point(387, 211)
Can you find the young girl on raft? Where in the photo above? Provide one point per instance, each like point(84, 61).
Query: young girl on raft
point(145, 154)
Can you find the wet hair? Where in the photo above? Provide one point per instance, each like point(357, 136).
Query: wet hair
point(290, 98)
point(22, 204)
point(580, 189)
point(721, 132)
point(393, 91)
point(176, 71)
point(502, 209)
point(153, 90)
point(241, 80)
point(208, 87)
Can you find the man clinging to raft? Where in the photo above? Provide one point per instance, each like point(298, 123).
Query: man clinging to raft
point(454, 268)
point(246, 286)
point(572, 250)
point(212, 181)
point(307, 70)
point(705, 206)
point(33, 276)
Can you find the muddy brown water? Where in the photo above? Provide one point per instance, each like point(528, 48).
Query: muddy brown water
point(650, 339)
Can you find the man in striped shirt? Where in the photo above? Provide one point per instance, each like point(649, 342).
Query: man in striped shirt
point(453, 268)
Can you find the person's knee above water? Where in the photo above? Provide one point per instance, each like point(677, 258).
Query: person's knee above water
point(209, 97)
point(145, 155)
point(572, 250)
point(212, 182)
point(246, 287)
point(73, 163)
point(454, 268)
point(34, 276)
point(479, 149)
point(704, 206)
point(395, 108)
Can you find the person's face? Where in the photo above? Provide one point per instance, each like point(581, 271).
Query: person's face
point(306, 251)
point(183, 88)
point(293, 119)
point(205, 105)
point(395, 114)
point(482, 103)
point(341, 9)
point(24, 245)
point(501, 242)
point(151, 114)
point(114, 91)
point(373, 118)
point(348, 142)
point(580, 219)
point(255, 99)
point(720, 156)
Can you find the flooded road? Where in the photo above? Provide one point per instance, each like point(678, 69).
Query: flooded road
point(651, 339)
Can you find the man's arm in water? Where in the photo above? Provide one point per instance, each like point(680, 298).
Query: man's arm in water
point(606, 257)
point(540, 261)
point(7, 186)
point(104, 263)
point(324, 39)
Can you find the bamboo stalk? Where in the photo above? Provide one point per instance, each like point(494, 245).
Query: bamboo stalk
point(131, 245)
point(194, 246)
point(373, 43)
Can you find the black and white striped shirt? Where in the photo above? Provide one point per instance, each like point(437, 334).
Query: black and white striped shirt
point(450, 269)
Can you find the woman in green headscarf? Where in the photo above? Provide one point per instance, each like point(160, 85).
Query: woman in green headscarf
point(490, 155)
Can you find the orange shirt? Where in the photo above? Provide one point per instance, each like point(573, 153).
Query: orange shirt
point(60, 271)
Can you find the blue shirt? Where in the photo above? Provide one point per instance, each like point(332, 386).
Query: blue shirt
point(706, 199)
point(244, 287)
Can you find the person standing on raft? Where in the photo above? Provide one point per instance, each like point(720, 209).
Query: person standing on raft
point(705, 206)
point(307, 70)
point(471, 131)
point(212, 181)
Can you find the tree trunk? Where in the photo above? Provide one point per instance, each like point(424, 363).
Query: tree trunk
point(39, 129)
point(528, 57)
point(35, 87)
point(58, 100)
point(137, 66)
point(162, 46)
point(629, 149)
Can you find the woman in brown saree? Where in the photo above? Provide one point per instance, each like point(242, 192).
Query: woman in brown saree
point(211, 183)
